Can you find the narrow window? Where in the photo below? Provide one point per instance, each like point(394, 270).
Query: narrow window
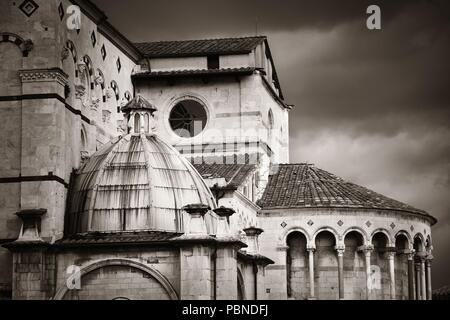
point(213, 62)
point(137, 123)
point(146, 122)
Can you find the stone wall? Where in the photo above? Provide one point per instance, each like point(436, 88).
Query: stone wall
point(42, 120)
point(339, 223)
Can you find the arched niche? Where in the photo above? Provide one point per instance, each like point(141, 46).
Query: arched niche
point(158, 287)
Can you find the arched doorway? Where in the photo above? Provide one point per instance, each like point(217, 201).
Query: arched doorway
point(297, 270)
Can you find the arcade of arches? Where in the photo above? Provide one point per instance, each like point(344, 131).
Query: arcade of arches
point(357, 269)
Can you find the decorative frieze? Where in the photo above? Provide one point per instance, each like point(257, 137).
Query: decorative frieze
point(43, 75)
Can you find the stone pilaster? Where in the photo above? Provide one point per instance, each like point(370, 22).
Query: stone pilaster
point(45, 128)
point(259, 261)
point(226, 257)
point(196, 256)
point(33, 267)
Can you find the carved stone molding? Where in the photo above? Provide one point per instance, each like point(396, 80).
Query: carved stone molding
point(80, 91)
point(43, 75)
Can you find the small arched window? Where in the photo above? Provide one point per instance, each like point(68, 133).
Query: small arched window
point(137, 123)
point(146, 122)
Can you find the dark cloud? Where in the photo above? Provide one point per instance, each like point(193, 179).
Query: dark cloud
point(371, 106)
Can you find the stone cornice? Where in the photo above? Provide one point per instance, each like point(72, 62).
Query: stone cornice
point(43, 75)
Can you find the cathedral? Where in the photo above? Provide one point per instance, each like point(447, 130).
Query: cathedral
point(160, 170)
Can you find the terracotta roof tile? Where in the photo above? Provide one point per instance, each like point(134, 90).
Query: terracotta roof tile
point(199, 47)
point(304, 185)
point(234, 174)
point(194, 72)
point(102, 238)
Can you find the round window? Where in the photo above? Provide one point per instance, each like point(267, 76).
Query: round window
point(188, 118)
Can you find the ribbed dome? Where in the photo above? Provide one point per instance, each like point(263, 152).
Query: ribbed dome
point(138, 182)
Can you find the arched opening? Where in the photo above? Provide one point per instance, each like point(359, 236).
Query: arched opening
point(137, 123)
point(418, 244)
point(326, 269)
point(297, 266)
point(379, 273)
point(125, 278)
point(146, 122)
point(354, 267)
point(401, 266)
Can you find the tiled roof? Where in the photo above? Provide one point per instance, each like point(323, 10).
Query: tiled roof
point(306, 186)
point(106, 238)
point(194, 72)
point(234, 174)
point(199, 47)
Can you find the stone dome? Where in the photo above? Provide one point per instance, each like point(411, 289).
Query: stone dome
point(136, 182)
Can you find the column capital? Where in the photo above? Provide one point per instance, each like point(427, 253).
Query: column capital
point(390, 254)
point(340, 249)
point(310, 248)
point(367, 249)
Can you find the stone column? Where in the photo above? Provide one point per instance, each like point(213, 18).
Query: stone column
point(391, 261)
point(311, 272)
point(340, 253)
point(418, 282)
point(367, 252)
point(411, 276)
point(423, 284)
point(429, 287)
point(196, 256)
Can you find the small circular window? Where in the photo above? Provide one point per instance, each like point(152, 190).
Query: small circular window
point(188, 118)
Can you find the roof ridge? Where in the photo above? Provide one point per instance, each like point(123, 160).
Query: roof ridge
point(206, 39)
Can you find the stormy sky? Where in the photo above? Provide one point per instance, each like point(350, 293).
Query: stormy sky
point(370, 106)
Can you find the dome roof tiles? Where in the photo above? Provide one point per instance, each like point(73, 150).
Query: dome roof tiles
point(137, 182)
